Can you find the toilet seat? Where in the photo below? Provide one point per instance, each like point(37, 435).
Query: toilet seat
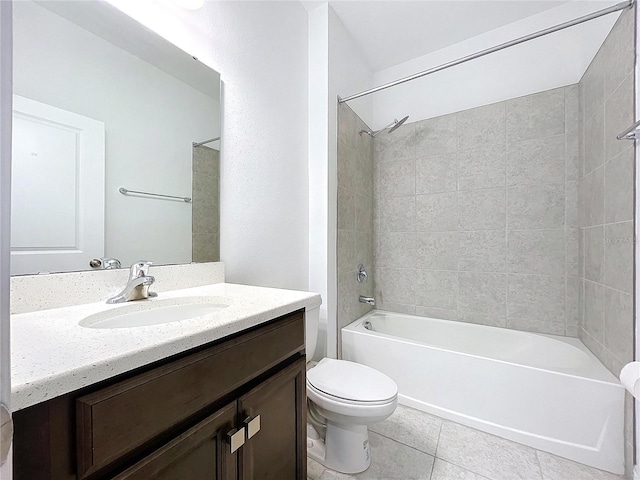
point(351, 383)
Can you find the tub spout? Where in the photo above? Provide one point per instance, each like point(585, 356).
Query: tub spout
point(368, 300)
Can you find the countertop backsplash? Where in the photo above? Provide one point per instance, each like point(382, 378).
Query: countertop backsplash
point(30, 293)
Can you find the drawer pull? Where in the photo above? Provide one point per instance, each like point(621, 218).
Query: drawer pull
point(236, 439)
point(253, 426)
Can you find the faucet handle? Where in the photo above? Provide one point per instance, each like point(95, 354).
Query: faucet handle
point(140, 269)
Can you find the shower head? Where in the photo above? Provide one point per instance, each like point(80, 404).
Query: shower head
point(398, 124)
point(390, 128)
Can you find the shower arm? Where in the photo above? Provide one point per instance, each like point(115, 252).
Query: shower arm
point(373, 134)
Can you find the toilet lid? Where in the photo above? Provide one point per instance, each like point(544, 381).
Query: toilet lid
point(351, 381)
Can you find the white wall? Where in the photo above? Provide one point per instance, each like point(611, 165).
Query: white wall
point(6, 471)
point(553, 61)
point(260, 50)
point(335, 65)
point(151, 118)
point(318, 167)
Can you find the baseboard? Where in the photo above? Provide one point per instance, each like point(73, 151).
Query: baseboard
point(636, 472)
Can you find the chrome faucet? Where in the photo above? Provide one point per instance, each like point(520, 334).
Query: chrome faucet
point(137, 287)
point(368, 300)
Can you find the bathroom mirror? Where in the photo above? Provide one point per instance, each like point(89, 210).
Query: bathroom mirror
point(116, 143)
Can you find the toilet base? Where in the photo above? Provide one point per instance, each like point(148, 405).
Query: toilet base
point(345, 448)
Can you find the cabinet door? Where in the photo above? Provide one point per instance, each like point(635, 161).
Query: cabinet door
point(277, 451)
point(201, 453)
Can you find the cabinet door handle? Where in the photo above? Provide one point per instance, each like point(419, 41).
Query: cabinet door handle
point(253, 426)
point(236, 439)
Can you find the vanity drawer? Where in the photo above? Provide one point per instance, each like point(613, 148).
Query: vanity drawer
point(122, 417)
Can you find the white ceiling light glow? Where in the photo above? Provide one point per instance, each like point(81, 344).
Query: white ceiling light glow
point(189, 4)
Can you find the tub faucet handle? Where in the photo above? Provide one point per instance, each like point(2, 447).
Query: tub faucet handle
point(361, 274)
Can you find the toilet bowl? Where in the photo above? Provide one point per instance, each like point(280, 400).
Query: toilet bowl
point(343, 399)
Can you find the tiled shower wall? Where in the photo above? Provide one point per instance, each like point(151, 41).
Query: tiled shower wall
point(606, 207)
point(355, 214)
point(205, 205)
point(606, 199)
point(475, 215)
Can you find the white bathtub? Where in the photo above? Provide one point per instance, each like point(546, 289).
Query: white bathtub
point(548, 392)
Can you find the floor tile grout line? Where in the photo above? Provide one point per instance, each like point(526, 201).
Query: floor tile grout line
point(403, 443)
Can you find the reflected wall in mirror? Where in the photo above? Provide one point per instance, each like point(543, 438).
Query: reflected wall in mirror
point(102, 103)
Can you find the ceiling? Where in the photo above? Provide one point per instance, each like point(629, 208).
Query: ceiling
point(390, 32)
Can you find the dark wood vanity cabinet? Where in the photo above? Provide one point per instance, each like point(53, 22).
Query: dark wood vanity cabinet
point(232, 410)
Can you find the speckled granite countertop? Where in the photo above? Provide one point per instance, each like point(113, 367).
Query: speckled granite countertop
point(52, 355)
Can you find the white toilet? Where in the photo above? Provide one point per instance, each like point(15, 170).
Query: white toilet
point(343, 398)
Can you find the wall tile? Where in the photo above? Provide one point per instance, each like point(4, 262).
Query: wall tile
point(483, 251)
point(571, 198)
point(618, 322)
point(482, 209)
point(536, 297)
point(592, 85)
point(482, 319)
point(438, 313)
point(618, 116)
point(536, 325)
point(204, 248)
point(482, 167)
point(619, 49)
point(572, 251)
point(395, 307)
point(594, 310)
point(592, 198)
point(436, 212)
point(348, 304)
point(346, 209)
point(355, 215)
point(436, 173)
point(535, 206)
point(397, 214)
point(481, 126)
point(618, 256)
point(437, 250)
point(346, 251)
point(397, 178)
point(482, 293)
point(203, 218)
point(396, 250)
point(399, 146)
point(618, 192)
point(536, 116)
point(536, 161)
point(536, 252)
point(573, 301)
point(364, 251)
point(594, 254)
point(436, 135)
point(573, 127)
point(437, 288)
point(395, 285)
point(594, 140)
point(363, 212)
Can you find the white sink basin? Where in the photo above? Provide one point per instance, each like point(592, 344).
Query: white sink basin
point(154, 312)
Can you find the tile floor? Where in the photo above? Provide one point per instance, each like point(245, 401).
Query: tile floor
point(412, 445)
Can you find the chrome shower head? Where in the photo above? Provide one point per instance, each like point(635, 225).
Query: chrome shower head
point(390, 128)
point(398, 124)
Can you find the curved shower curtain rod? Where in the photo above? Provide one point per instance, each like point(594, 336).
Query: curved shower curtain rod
point(198, 144)
point(497, 48)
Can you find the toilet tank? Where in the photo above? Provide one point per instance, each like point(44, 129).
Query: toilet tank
point(311, 325)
